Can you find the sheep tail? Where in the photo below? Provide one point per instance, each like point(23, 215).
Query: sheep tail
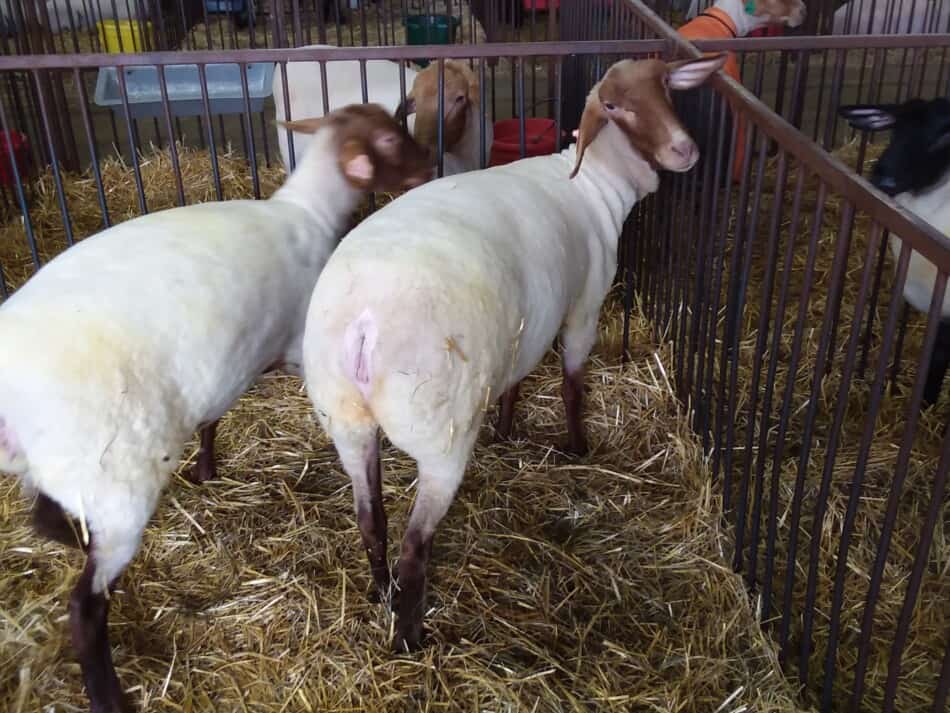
point(12, 457)
point(359, 341)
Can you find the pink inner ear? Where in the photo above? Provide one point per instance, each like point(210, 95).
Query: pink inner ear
point(360, 167)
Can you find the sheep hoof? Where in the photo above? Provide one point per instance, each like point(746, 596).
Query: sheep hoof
point(575, 448)
point(505, 436)
point(409, 637)
point(201, 473)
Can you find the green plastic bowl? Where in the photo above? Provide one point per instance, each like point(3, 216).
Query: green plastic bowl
point(431, 30)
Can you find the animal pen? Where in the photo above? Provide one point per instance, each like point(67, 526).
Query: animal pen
point(755, 396)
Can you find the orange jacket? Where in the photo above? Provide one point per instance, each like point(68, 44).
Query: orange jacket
point(714, 24)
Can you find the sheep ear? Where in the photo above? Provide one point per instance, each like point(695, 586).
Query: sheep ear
point(869, 117)
point(303, 126)
point(473, 94)
point(592, 121)
point(693, 72)
point(406, 107)
point(356, 164)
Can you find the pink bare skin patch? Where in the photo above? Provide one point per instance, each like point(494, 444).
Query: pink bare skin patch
point(359, 340)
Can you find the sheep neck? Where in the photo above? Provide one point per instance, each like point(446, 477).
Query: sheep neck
point(318, 186)
point(931, 204)
point(616, 173)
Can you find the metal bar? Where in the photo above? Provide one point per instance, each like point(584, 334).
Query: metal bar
point(212, 147)
point(785, 417)
point(291, 153)
point(717, 298)
point(133, 143)
point(93, 153)
point(924, 540)
point(173, 150)
point(761, 338)
point(837, 278)
point(20, 194)
point(54, 164)
point(830, 455)
point(765, 426)
point(736, 313)
point(730, 338)
point(440, 124)
point(252, 153)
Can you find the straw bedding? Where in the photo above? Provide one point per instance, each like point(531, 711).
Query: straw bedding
point(928, 630)
point(597, 584)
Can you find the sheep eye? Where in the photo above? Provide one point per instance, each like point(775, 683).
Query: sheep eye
point(460, 98)
point(608, 106)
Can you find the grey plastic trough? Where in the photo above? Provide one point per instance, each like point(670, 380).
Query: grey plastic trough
point(144, 92)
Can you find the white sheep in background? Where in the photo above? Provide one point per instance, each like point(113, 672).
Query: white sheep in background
point(461, 105)
point(915, 170)
point(446, 298)
point(121, 347)
point(893, 17)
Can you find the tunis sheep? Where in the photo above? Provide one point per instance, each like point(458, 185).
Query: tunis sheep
point(461, 103)
point(915, 170)
point(729, 19)
point(446, 298)
point(462, 115)
point(117, 350)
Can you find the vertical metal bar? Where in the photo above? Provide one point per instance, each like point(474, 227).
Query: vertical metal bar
point(133, 143)
point(923, 549)
point(736, 313)
point(765, 427)
point(799, 489)
point(897, 485)
point(325, 91)
point(213, 150)
point(703, 309)
point(252, 153)
point(732, 323)
point(872, 308)
point(519, 72)
point(57, 177)
point(761, 338)
point(719, 271)
point(558, 81)
point(824, 488)
point(291, 152)
point(482, 119)
point(899, 349)
point(20, 194)
point(93, 151)
point(364, 91)
point(173, 150)
point(836, 314)
point(440, 126)
point(837, 278)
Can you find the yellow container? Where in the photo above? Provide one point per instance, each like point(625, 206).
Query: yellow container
point(129, 30)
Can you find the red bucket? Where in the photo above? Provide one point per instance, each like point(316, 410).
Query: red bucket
point(541, 5)
point(21, 151)
point(539, 137)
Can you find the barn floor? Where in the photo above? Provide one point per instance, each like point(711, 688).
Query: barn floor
point(557, 585)
point(598, 584)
